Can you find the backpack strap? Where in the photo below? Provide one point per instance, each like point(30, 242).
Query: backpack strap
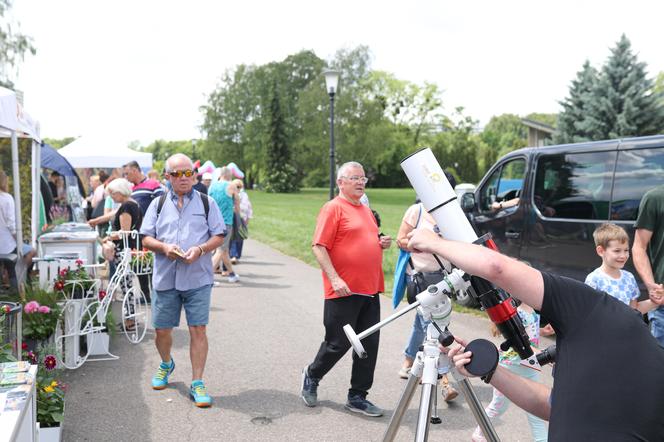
point(206, 203)
point(160, 205)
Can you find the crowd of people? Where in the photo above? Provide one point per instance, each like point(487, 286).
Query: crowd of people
point(188, 220)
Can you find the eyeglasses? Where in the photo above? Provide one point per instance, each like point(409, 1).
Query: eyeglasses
point(357, 179)
point(178, 173)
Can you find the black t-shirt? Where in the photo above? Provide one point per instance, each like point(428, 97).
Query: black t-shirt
point(133, 209)
point(609, 376)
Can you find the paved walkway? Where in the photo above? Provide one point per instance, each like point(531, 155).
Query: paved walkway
point(262, 332)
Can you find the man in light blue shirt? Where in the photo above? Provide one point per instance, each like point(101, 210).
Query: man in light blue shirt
point(181, 229)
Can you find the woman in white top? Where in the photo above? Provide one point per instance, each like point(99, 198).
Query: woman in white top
point(8, 229)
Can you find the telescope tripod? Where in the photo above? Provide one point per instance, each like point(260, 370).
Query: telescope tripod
point(426, 369)
point(434, 305)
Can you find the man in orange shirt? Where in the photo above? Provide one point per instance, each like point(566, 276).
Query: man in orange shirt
point(349, 251)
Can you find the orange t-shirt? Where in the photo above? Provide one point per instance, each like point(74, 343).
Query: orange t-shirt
point(350, 235)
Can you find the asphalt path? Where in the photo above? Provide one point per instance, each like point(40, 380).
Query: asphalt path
point(262, 331)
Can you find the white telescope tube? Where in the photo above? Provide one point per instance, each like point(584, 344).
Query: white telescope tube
point(439, 199)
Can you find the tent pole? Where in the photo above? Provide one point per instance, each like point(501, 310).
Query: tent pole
point(36, 169)
point(20, 268)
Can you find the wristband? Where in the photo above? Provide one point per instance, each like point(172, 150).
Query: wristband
point(202, 251)
point(487, 378)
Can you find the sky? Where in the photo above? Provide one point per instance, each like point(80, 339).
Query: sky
point(140, 70)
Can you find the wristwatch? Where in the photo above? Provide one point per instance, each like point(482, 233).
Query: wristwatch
point(202, 250)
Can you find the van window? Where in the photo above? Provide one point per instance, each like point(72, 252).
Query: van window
point(576, 186)
point(637, 172)
point(504, 184)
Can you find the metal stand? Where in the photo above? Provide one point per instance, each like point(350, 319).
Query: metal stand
point(434, 305)
point(425, 367)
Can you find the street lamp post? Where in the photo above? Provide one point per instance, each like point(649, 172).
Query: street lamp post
point(331, 80)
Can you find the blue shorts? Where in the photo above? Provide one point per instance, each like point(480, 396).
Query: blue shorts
point(656, 318)
point(167, 304)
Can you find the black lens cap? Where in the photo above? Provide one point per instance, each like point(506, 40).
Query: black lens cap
point(484, 359)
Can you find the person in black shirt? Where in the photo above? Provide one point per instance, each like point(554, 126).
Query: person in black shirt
point(128, 217)
point(609, 375)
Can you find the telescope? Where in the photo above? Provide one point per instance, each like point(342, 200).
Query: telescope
point(440, 200)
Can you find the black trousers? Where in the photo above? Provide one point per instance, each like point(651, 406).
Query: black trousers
point(361, 312)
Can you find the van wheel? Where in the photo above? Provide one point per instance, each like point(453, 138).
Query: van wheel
point(466, 299)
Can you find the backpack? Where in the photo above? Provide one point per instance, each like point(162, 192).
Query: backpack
point(204, 200)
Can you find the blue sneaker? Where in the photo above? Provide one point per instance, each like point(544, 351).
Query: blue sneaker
point(198, 393)
point(160, 379)
point(358, 404)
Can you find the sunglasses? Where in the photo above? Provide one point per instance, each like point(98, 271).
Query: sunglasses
point(179, 173)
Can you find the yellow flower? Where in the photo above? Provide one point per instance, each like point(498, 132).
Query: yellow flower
point(49, 389)
point(54, 384)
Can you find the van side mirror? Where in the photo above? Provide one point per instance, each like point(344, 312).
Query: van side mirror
point(468, 202)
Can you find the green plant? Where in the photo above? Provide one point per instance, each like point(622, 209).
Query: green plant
point(6, 350)
point(50, 391)
point(71, 280)
point(39, 321)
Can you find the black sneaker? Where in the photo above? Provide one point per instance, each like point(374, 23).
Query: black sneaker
point(358, 404)
point(309, 388)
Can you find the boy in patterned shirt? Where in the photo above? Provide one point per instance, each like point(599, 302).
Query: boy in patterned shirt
point(612, 245)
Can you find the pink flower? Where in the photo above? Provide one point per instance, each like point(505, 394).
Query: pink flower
point(31, 307)
point(63, 272)
point(6, 308)
point(32, 357)
point(102, 294)
point(50, 362)
point(79, 262)
point(44, 309)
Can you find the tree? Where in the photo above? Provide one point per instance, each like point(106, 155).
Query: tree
point(458, 147)
point(281, 175)
point(503, 134)
point(13, 46)
point(57, 143)
point(658, 88)
point(573, 126)
point(624, 102)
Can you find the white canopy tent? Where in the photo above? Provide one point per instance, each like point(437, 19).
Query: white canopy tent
point(102, 152)
point(15, 123)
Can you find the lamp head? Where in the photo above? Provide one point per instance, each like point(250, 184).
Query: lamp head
point(331, 81)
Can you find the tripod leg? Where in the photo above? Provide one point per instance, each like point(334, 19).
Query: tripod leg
point(401, 408)
point(478, 411)
point(422, 433)
point(435, 419)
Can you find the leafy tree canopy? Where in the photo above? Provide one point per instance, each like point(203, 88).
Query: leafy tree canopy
point(13, 46)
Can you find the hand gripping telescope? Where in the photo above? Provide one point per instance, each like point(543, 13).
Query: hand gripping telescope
point(439, 199)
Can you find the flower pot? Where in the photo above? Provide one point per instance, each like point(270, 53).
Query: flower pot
point(49, 434)
point(97, 344)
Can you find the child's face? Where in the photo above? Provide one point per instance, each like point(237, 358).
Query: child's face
point(615, 255)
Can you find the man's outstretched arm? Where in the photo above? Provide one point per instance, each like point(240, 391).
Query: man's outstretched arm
point(520, 280)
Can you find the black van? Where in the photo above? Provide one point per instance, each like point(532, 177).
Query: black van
point(549, 200)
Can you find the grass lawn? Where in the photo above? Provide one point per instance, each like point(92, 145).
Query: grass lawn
point(287, 222)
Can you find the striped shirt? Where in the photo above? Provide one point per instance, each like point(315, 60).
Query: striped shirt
point(145, 191)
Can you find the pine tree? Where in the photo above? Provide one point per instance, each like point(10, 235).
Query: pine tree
point(624, 103)
point(572, 123)
point(281, 176)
